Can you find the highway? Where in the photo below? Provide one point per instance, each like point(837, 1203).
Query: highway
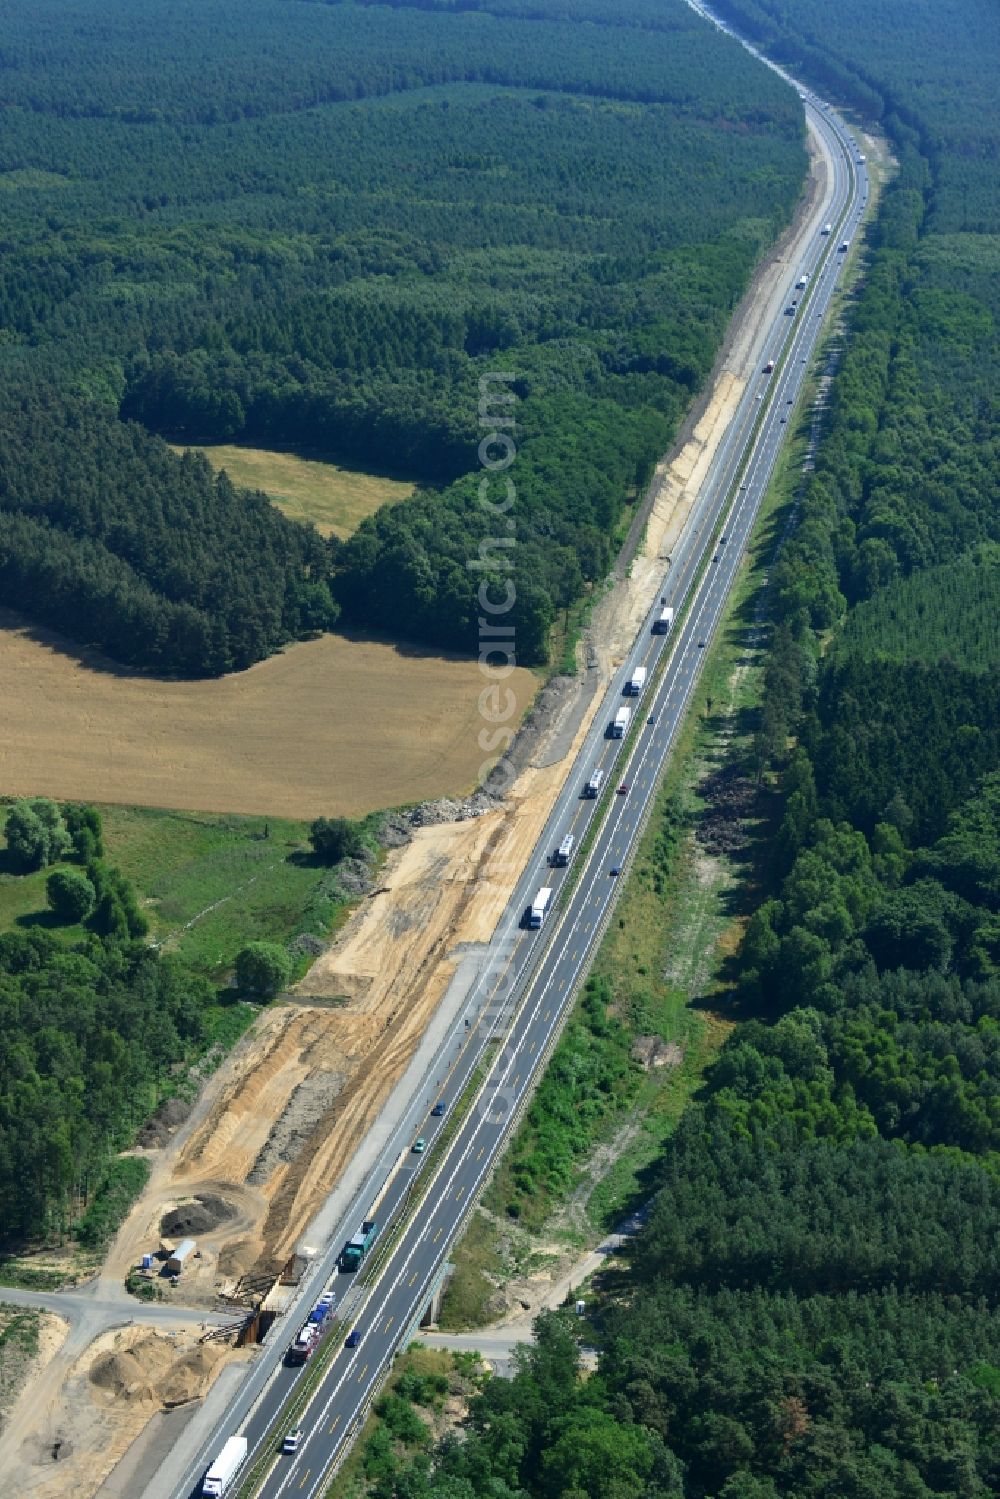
point(516, 1007)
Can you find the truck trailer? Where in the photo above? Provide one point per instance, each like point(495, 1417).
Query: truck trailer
point(302, 1349)
point(594, 785)
point(356, 1248)
point(663, 621)
point(636, 682)
point(561, 857)
point(540, 907)
point(219, 1478)
point(616, 730)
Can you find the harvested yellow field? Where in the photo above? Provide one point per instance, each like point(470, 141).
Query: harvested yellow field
point(332, 726)
point(336, 500)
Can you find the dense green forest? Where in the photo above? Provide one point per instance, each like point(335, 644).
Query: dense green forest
point(812, 1307)
point(318, 226)
point(92, 1023)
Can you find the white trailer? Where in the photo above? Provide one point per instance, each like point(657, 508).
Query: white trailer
point(539, 907)
point(183, 1252)
point(621, 723)
point(663, 622)
point(225, 1468)
point(594, 785)
point(636, 682)
point(561, 857)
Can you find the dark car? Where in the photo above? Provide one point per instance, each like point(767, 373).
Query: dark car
point(437, 1110)
point(615, 869)
point(353, 1338)
point(624, 788)
point(651, 719)
point(701, 645)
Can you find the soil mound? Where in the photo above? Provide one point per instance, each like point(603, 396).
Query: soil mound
point(188, 1378)
point(164, 1122)
point(134, 1374)
point(198, 1217)
point(151, 1372)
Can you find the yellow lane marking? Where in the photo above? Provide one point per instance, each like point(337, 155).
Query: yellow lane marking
point(305, 1478)
point(481, 1149)
point(459, 1194)
point(388, 1324)
point(533, 1045)
point(333, 1426)
point(547, 1014)
point(562, 985)
point(516, 1081)
point(438, 1234)
point(413, 1278)
point(362, 1374)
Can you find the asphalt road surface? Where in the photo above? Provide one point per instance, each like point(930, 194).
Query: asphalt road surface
point(516, 1007)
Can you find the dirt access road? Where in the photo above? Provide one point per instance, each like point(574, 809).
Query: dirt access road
point(276, 1126)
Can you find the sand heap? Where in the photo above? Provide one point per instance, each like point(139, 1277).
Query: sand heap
point(149, 1371)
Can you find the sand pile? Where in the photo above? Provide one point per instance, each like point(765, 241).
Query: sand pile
point(150, 1371)
point(133, 1373)
point(189, 1376)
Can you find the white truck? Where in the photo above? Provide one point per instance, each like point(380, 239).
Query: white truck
point(594, 785)
point(539, 907)
point(620, 724)
point(802, 283)
point(663, 621)
point(826, 229)
point(220, 1475)
point(561, 857)
point(636, 682)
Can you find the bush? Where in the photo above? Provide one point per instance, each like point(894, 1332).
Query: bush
point(262, 968)
point(70, 894)
point(36, 834)
point(336, 838)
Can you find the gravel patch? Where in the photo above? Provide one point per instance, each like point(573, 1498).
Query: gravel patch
point(298, 1119)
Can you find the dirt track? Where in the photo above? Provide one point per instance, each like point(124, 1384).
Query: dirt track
point(389, 968)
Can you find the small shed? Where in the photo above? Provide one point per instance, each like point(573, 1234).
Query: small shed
point(180, 1256)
